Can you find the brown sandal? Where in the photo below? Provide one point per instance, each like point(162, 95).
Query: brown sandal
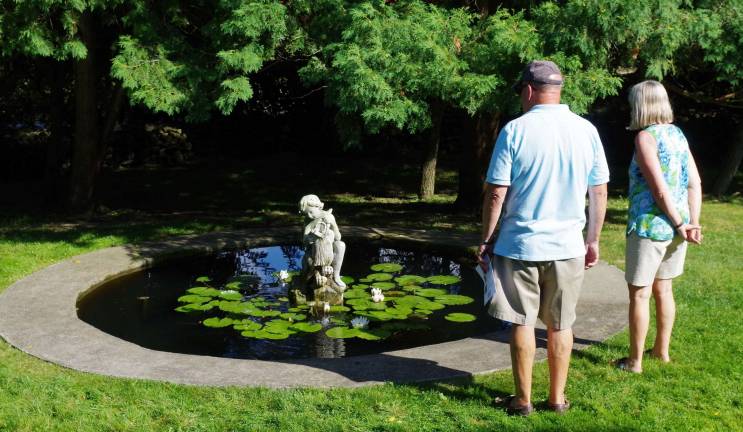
point(559, 408)
point(513, 410)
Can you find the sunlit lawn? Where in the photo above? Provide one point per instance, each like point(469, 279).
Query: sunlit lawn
point(700, 390)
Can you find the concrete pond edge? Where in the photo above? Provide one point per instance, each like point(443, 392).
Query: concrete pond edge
point(38, 315)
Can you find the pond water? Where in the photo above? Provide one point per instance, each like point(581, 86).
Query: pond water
point(141, 308)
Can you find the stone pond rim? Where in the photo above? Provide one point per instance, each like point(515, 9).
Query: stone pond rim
point(38, 315)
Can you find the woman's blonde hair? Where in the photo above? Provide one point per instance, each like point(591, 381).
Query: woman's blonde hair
point(649, 103)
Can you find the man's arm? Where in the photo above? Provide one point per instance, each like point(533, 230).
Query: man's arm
point(492, 205)
point(596, 213)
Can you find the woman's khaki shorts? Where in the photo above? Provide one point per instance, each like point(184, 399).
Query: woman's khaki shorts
point(647, 259)
point(547, 290)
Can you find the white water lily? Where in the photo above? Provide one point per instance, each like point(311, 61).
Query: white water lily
point(283, 275)
point(326, 307)
point(377, 295)
point(359, 322)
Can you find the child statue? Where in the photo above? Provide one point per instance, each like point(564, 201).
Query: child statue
point(322, 242)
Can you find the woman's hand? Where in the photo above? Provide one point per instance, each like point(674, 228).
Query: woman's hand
point(691, 233)
point(484, 255)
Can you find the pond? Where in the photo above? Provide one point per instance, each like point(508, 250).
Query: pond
point(240, 293)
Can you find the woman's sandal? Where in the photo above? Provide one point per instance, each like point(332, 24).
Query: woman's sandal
point(649, 353)
point(559, 408)
point(623, 364)
point(514, 410)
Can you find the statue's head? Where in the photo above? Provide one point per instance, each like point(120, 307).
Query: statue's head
point(310, 205)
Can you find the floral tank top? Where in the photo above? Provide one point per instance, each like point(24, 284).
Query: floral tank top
point(645, 217)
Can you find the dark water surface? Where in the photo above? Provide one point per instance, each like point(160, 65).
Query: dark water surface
point(140, 307)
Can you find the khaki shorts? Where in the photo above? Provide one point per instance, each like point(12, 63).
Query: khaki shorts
point(647, 260)
point(547, 290)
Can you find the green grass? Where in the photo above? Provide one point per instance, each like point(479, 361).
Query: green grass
point(700, 390)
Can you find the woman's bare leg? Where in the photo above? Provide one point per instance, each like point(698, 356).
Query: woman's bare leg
point(639, 318)
point(665, 314)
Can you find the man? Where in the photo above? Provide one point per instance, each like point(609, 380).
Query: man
point(545, 160)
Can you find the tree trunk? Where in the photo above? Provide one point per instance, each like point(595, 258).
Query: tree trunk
point(57, 148)
point(86, 154)
point(731, 164)
point(478, 139)
point(428, 169)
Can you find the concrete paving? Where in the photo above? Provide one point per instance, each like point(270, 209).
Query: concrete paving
point(38, 315)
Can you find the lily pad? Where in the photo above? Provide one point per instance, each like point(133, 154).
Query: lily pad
point(339, 321)
point(215, 322)
point(409, 300)
point(348, 280)
point(383, 285)
point(246, 325)
point(283, 299)
point(342, 332)
point(377, 306)
point(453, 299)
point(410, 280)
point(379, 277)
point(264, 313)
point(359, 286)
point(204, 291)
point(355, 293)
point(203, 279)
point(339, 308)
point(411, 288)
point(460, 317)
point(194, 307)
point(431, 292)
point(387, 267)
point(307, 327)
point(372, 335)
point(430, 305)
point(230, 295)
point(237, 307)
point(443, 279)
point(293, 316)
point(365, 280)
point(423, 311)
point(234, 285)
point(193, 298)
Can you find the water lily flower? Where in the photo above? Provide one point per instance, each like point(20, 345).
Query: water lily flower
point(359, 322)
point(326, 307)
point(377, 295)
point(283, 275)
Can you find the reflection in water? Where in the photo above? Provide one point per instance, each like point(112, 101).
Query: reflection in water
point(140, 307)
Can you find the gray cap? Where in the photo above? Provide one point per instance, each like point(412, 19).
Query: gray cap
point(540, 72)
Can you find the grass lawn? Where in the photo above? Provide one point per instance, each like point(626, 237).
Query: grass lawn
point(700, 390)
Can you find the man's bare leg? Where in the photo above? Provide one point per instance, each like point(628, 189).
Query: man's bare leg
point(559, 347)
point(523, 346)
point(665, 314)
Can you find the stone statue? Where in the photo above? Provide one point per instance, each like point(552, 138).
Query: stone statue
point(323, 255)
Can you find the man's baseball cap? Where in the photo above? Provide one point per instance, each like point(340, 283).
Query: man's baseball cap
point(540, 72)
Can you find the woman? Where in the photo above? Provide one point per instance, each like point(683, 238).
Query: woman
point(665, 199)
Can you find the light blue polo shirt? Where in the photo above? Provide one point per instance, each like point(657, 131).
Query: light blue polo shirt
point(548, 157)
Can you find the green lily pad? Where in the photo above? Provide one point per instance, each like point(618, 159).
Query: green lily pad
point(339, 308)
point(372, 335)
point(377, 306)
point(195, 307)
point(293, 316)
point(283, 299)
point(356, 301)
point(307, 327)
point(265, 334)
point(193, 298)
point(382, 315)
point(230, 295)
point(215, 322)
point(430, 305)
point(244, 325)
point(203, 279)
point(204, 291)
point(383, 285)
point(394, 293)
point(379, 277)
point(443, 279)
point(264, 313)
point(237, 307)
point(348, 280)
point(365, 280)
point(359, 287)
point(355, 293)
point(387, 267)
point(339, 321)
point(410, 280)
point(431, 292)
point(409, 300)
point(423, 311)
point(342, 332)
point(411, 288)
point(460, 317)
point(294, 309)
point(234, 285)
point(453, 299)
point(279, 326)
